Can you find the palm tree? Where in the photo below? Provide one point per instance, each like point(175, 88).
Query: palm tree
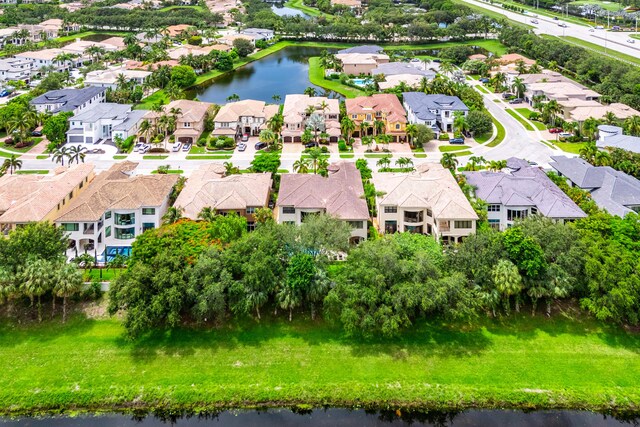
point(207, 214)
point(275, 124)
point(518, 87)
point(146, 129)
point(551, 110)
point(602, 158)
point(68, 282)
point(301, 166)
point(497, 165)
point(364, 127)
point(37, 278)
point(233, 97)
point(632, 125)
point(449, 161)
point(412, 131)
point(446, 67)
point(475, 162)
point(383, 163)
point(589, 128)
point(459, 122)
point(130, 39)
point(60, 154)
point(498, 81)
point(589, 152)
point(77, 154)
point(311, 91)
point(507, 280)
point(316, 123)
point(348, 126)
point(173, 215)
point(323, 166)
point(276, 98)
point(521, 67)
point(267, 136)
point(314, 155)
point(378, 126)
point(12, 163)
point(20, 126)
point(535, 69)
point(230, 169)
point(173, 91)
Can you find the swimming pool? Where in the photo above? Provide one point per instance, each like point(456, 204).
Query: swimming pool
point(361, 82)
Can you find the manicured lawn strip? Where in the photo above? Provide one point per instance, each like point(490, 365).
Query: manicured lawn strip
point(569, 147)
point(548, 13)
point(108, 274)
point(491, 13)
point(13, 149)
point(171, 171)
point(420, 155)
point(482, 89)
point(311, 11)
point(462, 153)
point(8, 155)
point(513, 114)
point(522, 361)
point(210, 157)
point(527, 112)
point(155, 157)
point(316, 76)
point(600, 49)
point(32, 172)
point(186, 8)
point(41, 156)
point(481, 139)
point(119, 157)
point(501, 133)
point(449, 148)
point(347, 156)
point(377, 155)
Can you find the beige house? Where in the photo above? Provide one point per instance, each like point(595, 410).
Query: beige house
point(109, 77)
point(297, 110)
point(32, 198)
point(191, 117)
point(383, 107)
point(554, 86)
point(185, 50)
point(427, 201)
point(243, 117)
point(339, 195)
point(361, 63)
point(209, 187)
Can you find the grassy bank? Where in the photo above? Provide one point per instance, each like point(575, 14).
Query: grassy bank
point(600, 49)
point(519, 362)
point(311, 11)
point(500, 133)
point(316, 76)
point(522, 121)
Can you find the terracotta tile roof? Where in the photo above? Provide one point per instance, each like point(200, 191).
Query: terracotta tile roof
point(208, 187)
point(385, 102)
point(118, 188)
point(25, 198)
point(340, 194)
point(232, 111)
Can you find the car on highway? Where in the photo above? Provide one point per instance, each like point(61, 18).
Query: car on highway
point(456, 141)
point(534, 21)
point(599, 27)
point(616, 28)
point(260, 145)
point(555, 130)
point(555, 18)
point(631, 41)
point(562, 24)
point(591, 30)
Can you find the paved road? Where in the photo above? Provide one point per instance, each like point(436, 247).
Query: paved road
point(610, 40)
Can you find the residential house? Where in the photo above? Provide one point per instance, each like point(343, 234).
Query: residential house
point(7, 35)
point(186, 50)
point(513, 58)
point(176, 30)
point(354, 5)
point(109, 78)
point(340, 195)
point(477, 57)
point(58, 25)
point(550, 85)
point(579, 110)
point(35, 198)
point(191, 117)
point(612, 190)
point(396, 73)
point(427, 201)
point(384, 107)
point(99, 123)
point(612, 137)
point(524, 190)
point(241, 194)
point(48, 58)
point(117, 206)
point(69, 100)
point(256, 34)
point(297, 110)
point(14, 69)
point(243, 117)
point(361, 63)
point(435, 111)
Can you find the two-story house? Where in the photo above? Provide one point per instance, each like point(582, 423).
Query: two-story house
point(297, 110)
point(522, 191)
point(340, 194)
point(382, 107)
point(50, 58)
point(101, 123)
point(612, 190)
point(361, 60)
point(110, 78)
point(435, 111)
point(69, 100)
point(209, 187)
point(190, 118)
point(427, 201)
point(243, 117)
point(15, 69)
point(117, 207)
point(35, 198)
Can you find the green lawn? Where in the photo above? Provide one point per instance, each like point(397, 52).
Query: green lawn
point(483, 89)
point(23, 150)
point(521, 361)
point(481, 139)
point(600, 49)
point(501, 133)
point(491, 14)
point(311, 11)
point(569, 147)
point(32, 172)
point(420, 155)
point(42, 156)
point(523, 122)
point(606, 5)
point(119, 157)
point(108, 274)
point(186, 9)
point(210, 157)
point(527, 112)
point(462, 153)
point(84, 34)
point(316, 76)
point(449, 148)
point(155, 157)
point(347, 156)
point(171, 171)
point(377, 155)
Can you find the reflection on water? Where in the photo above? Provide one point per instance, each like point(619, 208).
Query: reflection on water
point(336, 417)
point(281, 73)
point(281, 10)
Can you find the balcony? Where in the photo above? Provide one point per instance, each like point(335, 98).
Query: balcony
point(413, 217)
point(89, 230)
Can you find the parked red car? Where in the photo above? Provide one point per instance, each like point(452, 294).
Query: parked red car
point(555, 130)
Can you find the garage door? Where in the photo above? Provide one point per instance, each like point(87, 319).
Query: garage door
point(76, 138)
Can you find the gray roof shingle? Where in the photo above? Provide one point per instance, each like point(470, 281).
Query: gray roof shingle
point(626, 142)
point(422, 104)
point(393, 68)
point(69, 98)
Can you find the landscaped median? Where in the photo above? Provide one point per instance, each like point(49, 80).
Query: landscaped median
point(520, 362)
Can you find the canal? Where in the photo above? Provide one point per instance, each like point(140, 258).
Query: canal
point(283, 72)
point(336, 417)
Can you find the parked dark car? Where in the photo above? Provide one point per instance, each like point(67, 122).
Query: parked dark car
point(484, 80)
point(36, 133)
point(186, 146)
point(261, 145)
point(507, 95)
point(516, 101)
point(4, 93)
point(456, 141)
point(311, 144)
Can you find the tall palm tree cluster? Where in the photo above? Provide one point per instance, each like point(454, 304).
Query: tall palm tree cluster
point(157, 131)
point(71, 154)
point(314, 161)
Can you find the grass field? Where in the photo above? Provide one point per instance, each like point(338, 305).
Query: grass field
point(84, 34)
point(600, 49)
point(316, 76)
point(42, 156)
point(170, 171)
point(377, 155)
point(32, 172)
point(209, 157)
point(119, 157)
point(569, 147)
point(186, 9)
point(500, 134)
point(523, 122)
point(450, 148)
point(311, 11)
point(347, 155)
point(522, 361)
point(527, 112)
point(155, 157)
point(108, 274)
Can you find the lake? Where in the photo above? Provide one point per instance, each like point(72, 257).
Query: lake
point(281, 10)
point(335, 417)
point(283, 72)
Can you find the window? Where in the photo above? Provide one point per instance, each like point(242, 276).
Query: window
point(70, 226)
point(357, 225)
point(493, 208)
point(107, 232)
point(107, 215)
point(354, 116)
point(494, 223)
point(289, 222)
point(429, 212)
point(71, 195)
point(148, 211)
point(251, 210)
point(462, 224)
point(390, 209)
point(148, 226)
point(512, 214)
point(288, 210)
point(251, 226)
point(125, 233)
point(369, 117)
point(534, 211)
point(397, 126)
point(125, 219)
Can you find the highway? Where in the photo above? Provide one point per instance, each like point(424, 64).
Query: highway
point(611, 40)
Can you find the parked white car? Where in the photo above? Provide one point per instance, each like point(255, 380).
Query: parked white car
point(176, 147)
